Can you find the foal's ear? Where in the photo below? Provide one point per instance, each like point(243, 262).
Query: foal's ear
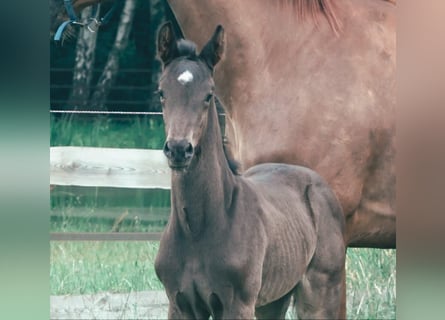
point(214, 49)
point(167, 47)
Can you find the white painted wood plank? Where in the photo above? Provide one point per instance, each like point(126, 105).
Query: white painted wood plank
point(109, 167)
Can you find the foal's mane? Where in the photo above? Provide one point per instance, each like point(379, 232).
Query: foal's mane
point(186, 48)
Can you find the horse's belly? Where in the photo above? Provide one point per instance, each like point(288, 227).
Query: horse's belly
point(279, 280)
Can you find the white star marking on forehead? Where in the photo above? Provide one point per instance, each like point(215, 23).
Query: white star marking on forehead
point(185, 77)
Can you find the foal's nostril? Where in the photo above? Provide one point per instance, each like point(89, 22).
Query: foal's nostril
point(189, 151)
point(166, 150)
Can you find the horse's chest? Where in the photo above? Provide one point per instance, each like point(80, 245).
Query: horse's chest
point(197, 274)
point(195, 281)
point(194, 278)
point(197, 269)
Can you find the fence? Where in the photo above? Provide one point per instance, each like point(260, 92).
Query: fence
point(112, 168)
point(108, 167)
point(134, 88)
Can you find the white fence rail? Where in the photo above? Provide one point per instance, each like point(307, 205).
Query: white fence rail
point(109, 167)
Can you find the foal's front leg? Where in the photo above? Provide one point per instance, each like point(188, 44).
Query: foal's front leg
point(175, 313)
point(181, 308)
point(274, 310)
point(239, 310)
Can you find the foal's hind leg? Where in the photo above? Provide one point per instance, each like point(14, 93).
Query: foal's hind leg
point(274, 310)
point(317, 297)
point(319, 293)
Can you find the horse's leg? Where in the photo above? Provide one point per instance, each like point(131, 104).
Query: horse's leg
point(274, 310)
point(239, 310)
point(318, 296)
point(175, 313)
point(319, 293)
point(181, 308)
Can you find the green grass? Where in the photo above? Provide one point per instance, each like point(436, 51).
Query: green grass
point(371, 283)
point(100, 131)
point(91, 267)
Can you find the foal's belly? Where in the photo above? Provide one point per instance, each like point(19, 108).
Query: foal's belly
point(286, 262)
point(280, 278)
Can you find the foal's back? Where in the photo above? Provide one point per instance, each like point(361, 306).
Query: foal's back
point(297, 196)
point(278, 181)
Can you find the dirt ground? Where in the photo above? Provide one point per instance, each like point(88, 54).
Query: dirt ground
point(134, 305)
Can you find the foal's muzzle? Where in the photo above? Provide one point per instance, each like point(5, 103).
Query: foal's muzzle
point(179, 153)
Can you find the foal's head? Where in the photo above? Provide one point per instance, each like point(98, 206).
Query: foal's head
point(186, 91)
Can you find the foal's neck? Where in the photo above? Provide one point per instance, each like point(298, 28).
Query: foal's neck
point(202, 194)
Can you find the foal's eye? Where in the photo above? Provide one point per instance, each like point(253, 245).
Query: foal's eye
point(161, 96)
point(208, 99)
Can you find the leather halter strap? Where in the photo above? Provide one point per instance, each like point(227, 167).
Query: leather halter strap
point(93, 23)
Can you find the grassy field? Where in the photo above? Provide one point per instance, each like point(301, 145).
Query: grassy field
point(119, 267)
point(91, 267)
point(371, 283)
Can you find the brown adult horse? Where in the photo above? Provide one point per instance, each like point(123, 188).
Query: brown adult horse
point(321, 74)
point(236, 245)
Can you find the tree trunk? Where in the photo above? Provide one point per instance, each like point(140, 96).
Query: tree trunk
point(109, 73)
point(83, 69)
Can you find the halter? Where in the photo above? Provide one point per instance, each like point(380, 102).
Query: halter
point(93, 23)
